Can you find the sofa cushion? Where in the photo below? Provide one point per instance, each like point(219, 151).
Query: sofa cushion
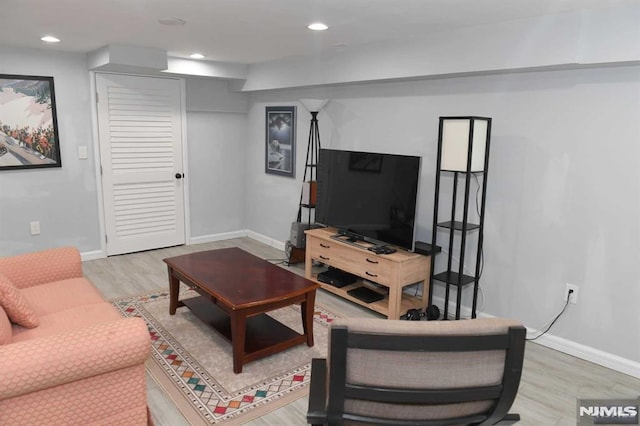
point(61, 295)
point(15, 305)
point(67, 320)
point(5, 328)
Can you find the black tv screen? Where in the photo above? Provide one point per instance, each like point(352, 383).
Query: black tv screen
point(369, 195)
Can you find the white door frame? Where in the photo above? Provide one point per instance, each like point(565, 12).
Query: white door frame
point(97, 162)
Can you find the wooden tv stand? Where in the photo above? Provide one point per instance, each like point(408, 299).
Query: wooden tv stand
point(391, 271)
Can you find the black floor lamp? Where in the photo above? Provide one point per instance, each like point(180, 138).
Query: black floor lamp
point(308, 193)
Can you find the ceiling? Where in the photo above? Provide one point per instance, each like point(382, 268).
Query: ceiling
point(254, 31)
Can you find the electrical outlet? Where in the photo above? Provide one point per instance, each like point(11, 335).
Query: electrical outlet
point(574, 296)
point(35, 228)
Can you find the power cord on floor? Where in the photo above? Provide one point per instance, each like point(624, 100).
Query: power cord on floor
point(481, 308)
point(556, 318)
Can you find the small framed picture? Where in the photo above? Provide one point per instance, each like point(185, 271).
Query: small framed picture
point(28, 123)
point(280, 140)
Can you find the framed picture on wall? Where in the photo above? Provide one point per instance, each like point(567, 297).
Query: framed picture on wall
point(28, 123)
point(280, 141)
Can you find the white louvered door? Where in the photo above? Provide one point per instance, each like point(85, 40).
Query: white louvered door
point(140, 131)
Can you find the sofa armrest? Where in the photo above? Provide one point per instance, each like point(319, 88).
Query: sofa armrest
point(66, 357)
point(30, 269)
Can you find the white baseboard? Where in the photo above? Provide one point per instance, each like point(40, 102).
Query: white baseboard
point(216, 237)
point(566, 346)
point(238, 234)
point(590, 354)
point(99, 254)
point(266, 240)
point(92, 255)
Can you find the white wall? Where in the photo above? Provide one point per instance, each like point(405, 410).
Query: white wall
point(563, 190)
point(216, 172)
point(63, 199)
point(216, 136)
point(214, 95)
point(272, 200)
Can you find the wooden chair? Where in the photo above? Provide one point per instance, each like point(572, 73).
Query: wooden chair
point(418, 373)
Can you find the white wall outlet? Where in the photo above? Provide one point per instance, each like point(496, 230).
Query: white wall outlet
point(35, 228)
point(574, 296)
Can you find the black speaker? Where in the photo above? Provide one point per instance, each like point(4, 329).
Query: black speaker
point(413, 315)
point(432, 313)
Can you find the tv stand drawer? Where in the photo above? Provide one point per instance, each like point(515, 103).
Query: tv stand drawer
point(359, 262)
point(395, 271)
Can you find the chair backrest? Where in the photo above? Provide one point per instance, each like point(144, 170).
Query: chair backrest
point(435, 372)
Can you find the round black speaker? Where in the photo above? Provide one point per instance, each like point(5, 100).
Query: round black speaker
point(432, 313)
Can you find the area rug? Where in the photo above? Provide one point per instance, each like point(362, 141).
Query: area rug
point(193, 364)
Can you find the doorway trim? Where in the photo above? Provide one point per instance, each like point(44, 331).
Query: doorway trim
point(102, 253)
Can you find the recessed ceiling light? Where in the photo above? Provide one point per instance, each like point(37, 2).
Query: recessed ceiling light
point(50, 39)
point(196, 56)
point(172, 21)
point(317, 26)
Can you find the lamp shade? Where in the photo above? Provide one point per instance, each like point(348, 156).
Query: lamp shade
point(314, 105)
point(459, 135)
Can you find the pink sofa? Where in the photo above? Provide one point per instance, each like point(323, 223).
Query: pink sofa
point(74, 359)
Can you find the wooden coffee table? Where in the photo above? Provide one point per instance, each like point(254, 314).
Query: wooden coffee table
point(237, 289)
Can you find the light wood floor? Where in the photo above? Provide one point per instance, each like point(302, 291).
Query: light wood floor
point(551, 381)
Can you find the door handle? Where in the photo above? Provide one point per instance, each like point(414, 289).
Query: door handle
point(179, 175)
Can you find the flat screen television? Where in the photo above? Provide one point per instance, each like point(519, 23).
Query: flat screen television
point(368, 196)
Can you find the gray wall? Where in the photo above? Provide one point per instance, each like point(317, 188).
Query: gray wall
point(563, 189)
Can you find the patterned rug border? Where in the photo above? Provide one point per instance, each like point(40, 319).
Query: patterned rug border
point(189, 384)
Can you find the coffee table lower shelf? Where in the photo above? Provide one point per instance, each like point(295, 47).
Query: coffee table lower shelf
point(264, 335)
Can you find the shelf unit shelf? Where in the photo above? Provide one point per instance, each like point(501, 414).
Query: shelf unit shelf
point(463, 151)
point(453, 278)
point(458, 226)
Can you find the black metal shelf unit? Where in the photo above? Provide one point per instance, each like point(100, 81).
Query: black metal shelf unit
point(463, 150)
